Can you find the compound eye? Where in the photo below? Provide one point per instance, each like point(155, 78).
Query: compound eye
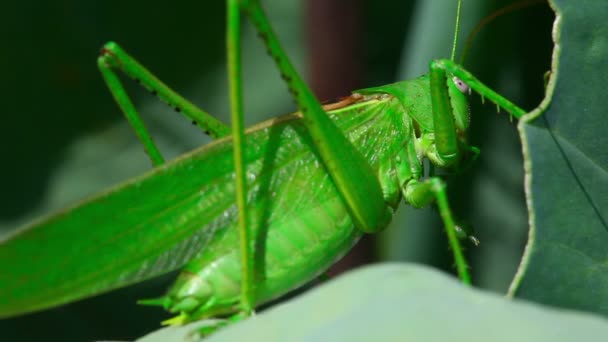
point(463, 87)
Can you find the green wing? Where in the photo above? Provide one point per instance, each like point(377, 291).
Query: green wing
point(145, 227)
point(156, 223)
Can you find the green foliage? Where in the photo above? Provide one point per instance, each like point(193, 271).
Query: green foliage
point(567, 170)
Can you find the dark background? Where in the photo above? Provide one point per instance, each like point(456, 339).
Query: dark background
point(63, 137)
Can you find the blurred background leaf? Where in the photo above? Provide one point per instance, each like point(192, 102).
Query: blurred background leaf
point(63, 136)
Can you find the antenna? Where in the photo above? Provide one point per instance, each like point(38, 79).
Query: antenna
point(491, 17)
point(457, 26)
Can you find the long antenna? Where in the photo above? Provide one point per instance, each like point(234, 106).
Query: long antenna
point(457, 26)
point(491, 17)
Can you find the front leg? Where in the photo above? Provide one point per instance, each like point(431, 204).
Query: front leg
point(450, 83)
point(442, 68)
point(420, 194)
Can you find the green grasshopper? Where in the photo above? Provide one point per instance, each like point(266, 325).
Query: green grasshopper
point(336, 181)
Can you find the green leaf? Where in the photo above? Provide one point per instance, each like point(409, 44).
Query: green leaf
point(404, 302)
point(566, 151)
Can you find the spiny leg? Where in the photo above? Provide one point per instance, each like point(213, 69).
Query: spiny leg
point(236, 104)
point(247, 298)
point(458, 71)
point(113, 57)
point(421, 194)
point(353, 176)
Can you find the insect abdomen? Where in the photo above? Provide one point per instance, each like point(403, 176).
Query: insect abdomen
point(297, 218)
point(295, 251)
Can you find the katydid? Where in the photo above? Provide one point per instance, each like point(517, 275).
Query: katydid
point(311, 186)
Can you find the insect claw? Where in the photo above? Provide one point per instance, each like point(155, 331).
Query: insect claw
point(474, 240)
point(177, 320)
